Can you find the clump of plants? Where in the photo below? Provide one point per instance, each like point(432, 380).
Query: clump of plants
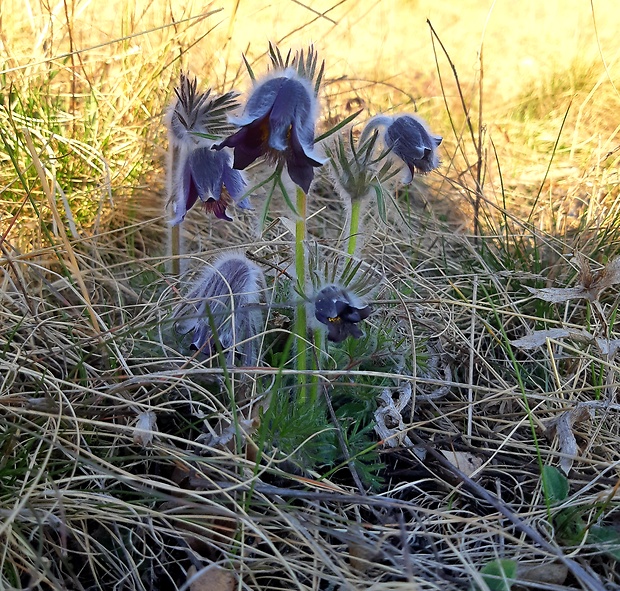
point(325, 293)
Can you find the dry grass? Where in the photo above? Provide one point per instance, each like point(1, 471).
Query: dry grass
point(87, 344)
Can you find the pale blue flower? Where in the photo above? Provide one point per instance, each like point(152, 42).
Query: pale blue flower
point(410, 139)
point(225, 297)
point(278, 122)
point(207, 175)
point(195, 172)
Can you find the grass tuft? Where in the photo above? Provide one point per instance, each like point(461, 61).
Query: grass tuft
point(500, 469)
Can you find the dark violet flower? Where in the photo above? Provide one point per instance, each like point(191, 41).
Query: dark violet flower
point(208, 176)
point(340, 310)
point(278, 122)
point(409, 138)
point(195, 172)
point(225, 296)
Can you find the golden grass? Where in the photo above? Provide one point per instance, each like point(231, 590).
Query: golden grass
point(86, 343)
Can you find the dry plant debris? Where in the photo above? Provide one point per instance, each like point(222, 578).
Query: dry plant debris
point(129, 460)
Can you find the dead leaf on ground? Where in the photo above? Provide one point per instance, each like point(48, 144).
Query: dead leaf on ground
point(466, 462)
point(608, 346)
point(145, 429)
point(388, 418)
point(589, 286)
point(557, 295)
point(562, 428)
point(211, 578)
point(553, 573)
point(538, 338)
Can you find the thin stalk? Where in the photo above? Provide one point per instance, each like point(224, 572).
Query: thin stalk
point(175, 249)
point(354, 225)
point(300, 271)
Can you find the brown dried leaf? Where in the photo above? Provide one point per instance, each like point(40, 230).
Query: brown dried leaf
point(389, 423)
point(361, 556)
point(553, 573)
point(562, 426)
point(608, 346)
point(539, 338)
point(596, 282)
point(590, 284)
point(558, 295)
point(211, 578)
point(466, 462)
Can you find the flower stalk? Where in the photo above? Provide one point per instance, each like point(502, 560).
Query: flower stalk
point(175, 249)
point(301, 323)
point(354, 226)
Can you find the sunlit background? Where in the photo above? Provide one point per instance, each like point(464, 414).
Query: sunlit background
point(385, 40)
point(523, 71)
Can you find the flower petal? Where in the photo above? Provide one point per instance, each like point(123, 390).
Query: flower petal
point(207, 170)
point(186, 195)
point(337, 309)
point(292, 108)
point(299, 165)
point(217, 208)
point(260, 102)
point(233, 181)
point(411, 141)
point(249, 143)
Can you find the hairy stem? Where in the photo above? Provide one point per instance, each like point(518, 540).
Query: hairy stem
point(354, 226)
point(300, 272)
point(175, 249)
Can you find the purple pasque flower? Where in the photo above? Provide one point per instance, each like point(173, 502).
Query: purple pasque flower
point(340, 310)
point(195, 172)
point(409, 138)
point(278, 122)
point(224, 298)
point(207, 175)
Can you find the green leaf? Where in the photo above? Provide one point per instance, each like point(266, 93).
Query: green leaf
point(248, 67)
point(570, 526)
point(499, 575)
point(607, 538)
point(381, 204)
point(555, 484)
point(338, 126)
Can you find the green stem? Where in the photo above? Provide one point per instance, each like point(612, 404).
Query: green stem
point(354, 226)
point(300, 272)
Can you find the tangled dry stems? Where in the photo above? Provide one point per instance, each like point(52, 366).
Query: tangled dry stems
point(84, 506)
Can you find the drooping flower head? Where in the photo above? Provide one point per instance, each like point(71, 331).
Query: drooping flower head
point(195, 121)
point(224, 298)
point(409, 138)
point(279, 118)
point(340, 310)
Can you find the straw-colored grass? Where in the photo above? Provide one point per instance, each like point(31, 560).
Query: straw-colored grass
point(527, 100)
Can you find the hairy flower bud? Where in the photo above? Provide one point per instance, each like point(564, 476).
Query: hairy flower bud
point(409, 138)
point(223, 304)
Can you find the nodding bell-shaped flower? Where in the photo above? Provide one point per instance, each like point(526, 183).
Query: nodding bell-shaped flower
point(341, 311)
point(409, 138)
point(195, 172)
point(223, 305)
point(278, 122)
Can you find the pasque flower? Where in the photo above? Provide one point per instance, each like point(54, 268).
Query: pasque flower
point(223, 304)
point(340, 310)
point(409, 138)
point(278, 122)
point(195, 171)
